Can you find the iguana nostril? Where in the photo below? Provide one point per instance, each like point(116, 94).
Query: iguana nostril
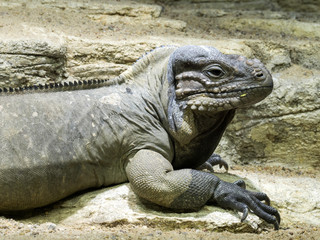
point(259, 75)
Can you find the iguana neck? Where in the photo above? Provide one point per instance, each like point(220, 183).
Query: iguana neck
point(156, 84)
point(194, 126)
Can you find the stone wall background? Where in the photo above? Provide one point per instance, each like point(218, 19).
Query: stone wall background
point(56, 40)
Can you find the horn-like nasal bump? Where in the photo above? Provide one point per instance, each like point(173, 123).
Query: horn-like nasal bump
point(249, 62)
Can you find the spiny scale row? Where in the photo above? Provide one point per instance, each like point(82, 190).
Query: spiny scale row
point(212, 104)
point(52, 85)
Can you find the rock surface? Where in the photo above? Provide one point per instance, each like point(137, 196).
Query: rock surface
point(119, 205)
point(60, 40)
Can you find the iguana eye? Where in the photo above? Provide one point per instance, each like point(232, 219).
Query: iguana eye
point(214, 71)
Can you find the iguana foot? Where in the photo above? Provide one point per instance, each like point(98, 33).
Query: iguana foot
point(235, 196)
point(215, 159)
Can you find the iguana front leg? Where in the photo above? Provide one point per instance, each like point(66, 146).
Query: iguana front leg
point(152, 177)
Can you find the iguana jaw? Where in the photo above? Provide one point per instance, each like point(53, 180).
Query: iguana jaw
point(215, 102)
point(208, 101)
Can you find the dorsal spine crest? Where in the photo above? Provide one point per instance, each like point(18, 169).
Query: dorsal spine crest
point(61, 86)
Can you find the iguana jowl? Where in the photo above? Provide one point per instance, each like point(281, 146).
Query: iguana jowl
point(156, 124)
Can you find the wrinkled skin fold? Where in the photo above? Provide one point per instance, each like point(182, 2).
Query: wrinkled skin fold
point(156, 125)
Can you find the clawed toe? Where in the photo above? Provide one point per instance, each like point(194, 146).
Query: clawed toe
point(214, 160)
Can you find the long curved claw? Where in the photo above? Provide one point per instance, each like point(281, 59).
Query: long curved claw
point(206, 166)
point(215, 159)
point(276, 226)
point(236, 205)
point(267, 213)
point(275, 213)
point(268, 209)
point(245, 214)
point(262, 197)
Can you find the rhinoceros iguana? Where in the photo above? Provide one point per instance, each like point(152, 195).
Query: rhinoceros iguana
point(154, 125)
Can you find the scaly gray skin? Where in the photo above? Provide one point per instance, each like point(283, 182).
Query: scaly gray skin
point(153, 126)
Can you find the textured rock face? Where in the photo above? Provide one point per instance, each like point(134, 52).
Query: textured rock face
point(31, 62)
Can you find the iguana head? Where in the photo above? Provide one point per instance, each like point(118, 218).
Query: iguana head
point(206, 80)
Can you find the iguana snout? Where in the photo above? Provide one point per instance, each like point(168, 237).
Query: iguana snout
point(210, 81)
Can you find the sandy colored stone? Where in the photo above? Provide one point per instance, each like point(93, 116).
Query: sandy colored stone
point(120, 204)
point(292, 5)
point(287, 27)
point(111, 7)
point(141, 20)
point(31, 62)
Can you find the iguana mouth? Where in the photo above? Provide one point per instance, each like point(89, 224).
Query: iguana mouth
point(218, 93)
point(213, 100)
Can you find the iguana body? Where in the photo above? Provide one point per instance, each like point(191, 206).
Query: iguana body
point(158, 121)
